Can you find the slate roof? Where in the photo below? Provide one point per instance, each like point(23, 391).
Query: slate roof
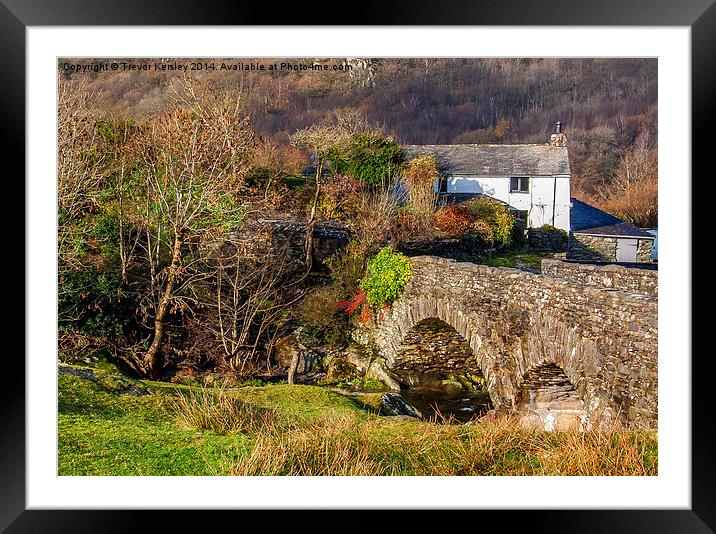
point(586, 219)
point(495, 160)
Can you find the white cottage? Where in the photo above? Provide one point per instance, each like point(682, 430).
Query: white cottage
point(532, 179)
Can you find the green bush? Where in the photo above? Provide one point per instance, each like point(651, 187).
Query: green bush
point(370, 158)
point(388, 273)
point(90, 301)
point(105, 232)
point(548, 228)
point(498, 219)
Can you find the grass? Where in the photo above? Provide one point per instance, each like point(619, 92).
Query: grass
point(306, 430)
point(516, 258)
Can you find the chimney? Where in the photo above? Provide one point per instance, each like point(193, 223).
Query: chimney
point(558, 138)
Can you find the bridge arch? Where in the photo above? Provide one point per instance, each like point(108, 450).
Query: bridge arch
point(475, 327)
point(548, 399)
point(433, 350)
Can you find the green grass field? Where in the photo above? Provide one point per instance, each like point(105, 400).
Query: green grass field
point(107, 428)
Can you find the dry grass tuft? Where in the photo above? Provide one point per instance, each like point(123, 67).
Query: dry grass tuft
point(328, 446)
point(219, 412)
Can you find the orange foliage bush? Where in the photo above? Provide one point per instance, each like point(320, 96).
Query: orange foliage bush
point(350, 306)
point(453, 220)
point(365, 314)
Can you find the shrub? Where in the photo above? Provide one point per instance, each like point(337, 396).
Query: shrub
point(453, 220)
point(485, 219)
point(340, 198)
point(420, 176)
point(91, 302)
point(105, 232)
point(319, 313)
point(498, 219)
point(549, 229)
point(347, 267)
point(388, 273)
point(370, 158)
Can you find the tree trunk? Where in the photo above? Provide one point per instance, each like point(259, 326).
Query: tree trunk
point(294, 366)
point(312, 218)
point(151, 358)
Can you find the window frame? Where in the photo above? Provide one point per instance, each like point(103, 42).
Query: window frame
point(527, 216)
point(519, 182)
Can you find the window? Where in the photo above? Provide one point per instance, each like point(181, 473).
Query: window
point(519, 184)
point(521, 216)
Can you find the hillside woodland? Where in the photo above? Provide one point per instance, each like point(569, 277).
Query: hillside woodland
point(158, 174)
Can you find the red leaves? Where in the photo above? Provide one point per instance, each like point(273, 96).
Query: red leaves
point(349, 306)
point(365, 315)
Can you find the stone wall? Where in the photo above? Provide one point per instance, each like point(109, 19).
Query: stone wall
point(547, 240)
point(610, 276)
point(287, 237)
point(605, 341)
point(593, 248)
point(644, 250)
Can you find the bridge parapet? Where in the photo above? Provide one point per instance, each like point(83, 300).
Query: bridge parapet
point(606, 276)
point(604, 340)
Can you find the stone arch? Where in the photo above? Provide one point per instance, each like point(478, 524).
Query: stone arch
point(548, 384)
point(407, 313)
point(506, 343)
point(432, 347)
point(548, 399)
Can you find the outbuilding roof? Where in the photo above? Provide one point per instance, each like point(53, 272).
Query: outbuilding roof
point(586, 219)
point(495, 160)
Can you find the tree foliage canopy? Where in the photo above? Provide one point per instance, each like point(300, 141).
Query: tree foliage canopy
point(371, 158)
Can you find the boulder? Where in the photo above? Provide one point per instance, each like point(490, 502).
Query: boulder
point(367, 364)
point(286, 347)
point(392, 404)
point(451, 387)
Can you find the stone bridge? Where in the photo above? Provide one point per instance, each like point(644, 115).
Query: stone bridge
point(557, 351)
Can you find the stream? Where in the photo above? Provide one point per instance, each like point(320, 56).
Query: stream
point(437, 405)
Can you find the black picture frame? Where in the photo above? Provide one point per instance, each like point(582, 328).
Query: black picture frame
point(699, 15)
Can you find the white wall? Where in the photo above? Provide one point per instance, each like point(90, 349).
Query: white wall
point(547, 201)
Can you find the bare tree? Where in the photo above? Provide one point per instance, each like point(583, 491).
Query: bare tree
point(252, 284)
point(632, 193)
point(335, 132)
point(193, 161)
point(320, 140)
point(81, 169)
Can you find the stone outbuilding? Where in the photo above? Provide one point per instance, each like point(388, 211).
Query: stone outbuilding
point(596, 236)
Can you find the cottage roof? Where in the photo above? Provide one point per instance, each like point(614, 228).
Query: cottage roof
point(586, 219)
point(495, 160)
